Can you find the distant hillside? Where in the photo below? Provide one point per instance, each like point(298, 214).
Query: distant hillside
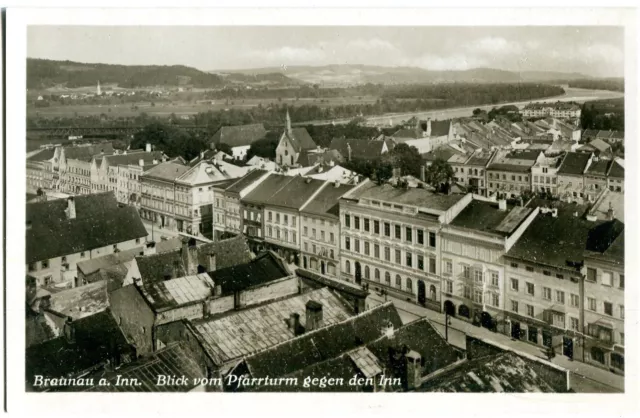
point(612, 84)
point(359, 74)
point(267, 79)
point(48, 73)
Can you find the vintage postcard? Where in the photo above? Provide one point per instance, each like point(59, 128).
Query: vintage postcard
point(353, 206)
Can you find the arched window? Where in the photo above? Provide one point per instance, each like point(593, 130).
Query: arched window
point(387, 278)
point(286, 153)
point(432, 292)
point(366, 272)
point(398, 280)
point(376, 275)
point(409, 285)
point(347, 267)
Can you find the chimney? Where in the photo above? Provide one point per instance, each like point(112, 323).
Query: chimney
point(29, 225)
point(150, 248)
point(348, 152)
point(423, 171)
point(141, 162)
point(71, 208)
point(294, 324)
point(428, 133)
point(212, 262)
point(202, 155)
point(388, 330)
point(155, 161)
point(336, 184)
point(148, 147)
point(610, 213)
point(414, 369)
point(190, 255)
point(217, 290)
point(502, 204)
point(313, 315)
point(69, 331)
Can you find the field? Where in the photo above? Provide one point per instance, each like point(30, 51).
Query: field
point(186, 108)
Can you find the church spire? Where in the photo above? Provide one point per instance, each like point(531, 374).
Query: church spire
point(287, 126)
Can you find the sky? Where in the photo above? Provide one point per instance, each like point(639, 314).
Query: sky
point(596, 51)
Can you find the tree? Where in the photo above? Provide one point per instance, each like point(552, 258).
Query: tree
point(265, 147)
point(382, 172)
point(226, 148)
point(439, 174)
point(406, 158)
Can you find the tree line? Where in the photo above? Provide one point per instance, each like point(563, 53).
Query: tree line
point(612, 84)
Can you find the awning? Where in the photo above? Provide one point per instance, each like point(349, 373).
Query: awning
point(558, 308)
point(604, 324)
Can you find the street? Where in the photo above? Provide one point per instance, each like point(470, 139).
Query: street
point(584, 377)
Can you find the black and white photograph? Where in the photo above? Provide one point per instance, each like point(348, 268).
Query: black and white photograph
point(292, 208)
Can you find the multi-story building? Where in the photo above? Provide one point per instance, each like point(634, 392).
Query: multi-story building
point(293, 142)
point(75, 166)
point(181, 198)
point(570, 174)
point(556, 110)
point(473, 246)
point(471, 170)
point(390, 238)
point(604, 296)
point(320, 224)
point(238, 138)
point(596, 177)
point(62, 232)
point(38, 175)
point(282, 216)
point(544, 175)
point(227, 210)
point(508, 172)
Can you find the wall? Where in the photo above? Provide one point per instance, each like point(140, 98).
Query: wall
point(219, 305)
point(329, 227)
point(134, 316)
point(291, 227)
point(179, 331)
point(193, 311)
point(273, 290)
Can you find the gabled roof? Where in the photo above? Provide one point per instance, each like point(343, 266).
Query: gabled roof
point(487, 217)
point(81, 301)
point(42, 155)
point(238, 136)
point(600, 167)
point(440, 127)
point(266, 267)
point(245, 181)
point(600, 145)
point(616, 169)
point(295, 193)
point(168, 171)
point(300, 139)
point(574, 163)
point(267, 189)
point(411, 196)
point(325, 203)
point(133, 158)
point(100, 221)
point(171, 294)
point(86, 152)
point(360, 148)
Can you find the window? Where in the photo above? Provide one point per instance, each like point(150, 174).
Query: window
point(432, 265)
point(407, 235)
point(293, 236)
point(398, 280)
point(514, 265)
point(574, 324)
point(356, 245)
point(387, 254)
point(591, 303)
point(387, 229)
point(530, 310)
point(376, 250)
point(432, 239)
point(621, 309)
point(514, 306)
point(376, 275)
point(409, 259)
point(530, 289)
point(313, 232)
point(32, 267)
point(277, 218)
point(305, 231)
point(495, 278)
point(420, 236)
point(514, 284)
point(366, 224)
point(398, 257)
point(293, 221)
point(398, 232)
point(546, 293)
point(376, 227)
point(448, 267)
point(330, 254)
point(591, 274)
point(356, 222)
point(560, 296)
point(306, 244)
point(546, 272)
point(347, 243)
point(366, 248)
point(608, 308)
point(575, 300)
point(45, 264)
point(478, 277)
point(409, 285)
point(420, 262)
point(313, 248)
point(477, 296)
point(347, 221)
point(529, 268)
point(366, 272)
point(387, 278)
point(559, 276)
point(277, 233)
point(495, 300)
point(286, 219)
point(607, 278)
point(466, 272)
point(347, 267)
point(467, 292)
point(621, 283)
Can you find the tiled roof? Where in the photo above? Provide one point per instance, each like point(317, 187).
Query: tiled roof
point(96, 338)
point(600, 145)
point(599, 167)
point(325, 343)
point(411, 196)
point(360, 148)
point(590, 133)
point(602, 236)
point(238, 136)
point(615, 169)
point(85, 153)
point(509, 167)
point(269, 186)
point(485, 216)
point(245, 181)
point(81, 301)
point(443, 153)
point(92, 265)
point(265, 268)
point(133, 158)
point(246, 332)
point(170, 294)
point(100, 221)
point(574, 163)
point(42, 155)
point(176, 359)
point(505, 373)
point(365, 361)
point(300, 139)
point(295, 193)
point(156, 267)
point(406, 134)
point(440, 127)
point(325, 203)
point(168, 171)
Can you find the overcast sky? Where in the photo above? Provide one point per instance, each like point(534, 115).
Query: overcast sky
point(597, 51)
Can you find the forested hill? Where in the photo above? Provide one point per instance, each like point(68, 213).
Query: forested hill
point(612, 84)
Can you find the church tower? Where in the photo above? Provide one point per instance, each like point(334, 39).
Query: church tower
point(287, 126)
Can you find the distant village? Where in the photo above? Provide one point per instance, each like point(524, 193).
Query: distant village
point(223, 268)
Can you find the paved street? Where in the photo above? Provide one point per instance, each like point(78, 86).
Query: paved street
point(158, 232)
point(584, 377)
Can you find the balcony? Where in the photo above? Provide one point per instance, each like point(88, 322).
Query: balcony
point(603, 332)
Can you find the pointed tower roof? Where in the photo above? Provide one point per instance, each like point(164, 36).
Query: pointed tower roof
point(288, 123)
